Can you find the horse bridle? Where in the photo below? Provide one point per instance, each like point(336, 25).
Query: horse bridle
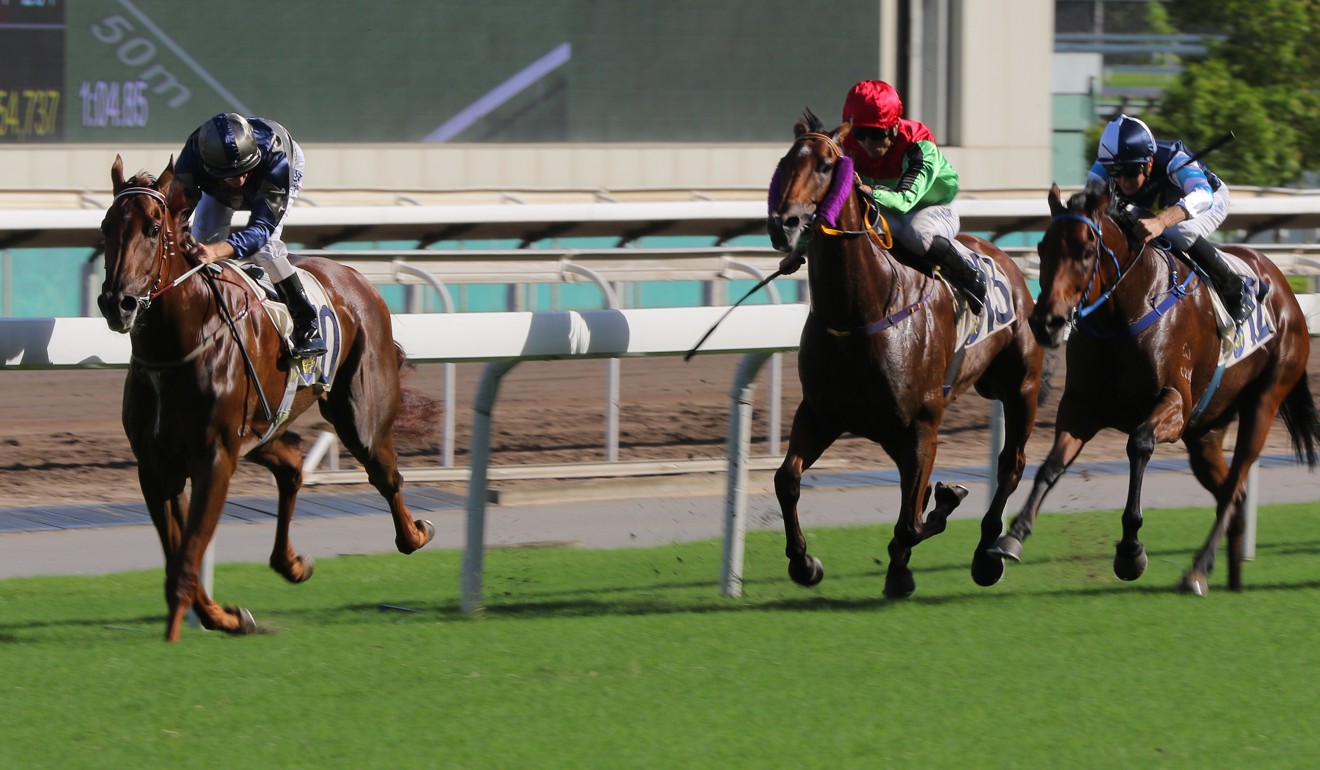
point(837, 189)
point(1081, 311)
point(164, 249)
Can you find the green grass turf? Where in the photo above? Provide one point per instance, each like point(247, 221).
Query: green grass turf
point(630, 658)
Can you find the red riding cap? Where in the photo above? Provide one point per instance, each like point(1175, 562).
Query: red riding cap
point(872, 103)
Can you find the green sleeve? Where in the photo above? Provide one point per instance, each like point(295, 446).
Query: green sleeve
point(927, 180)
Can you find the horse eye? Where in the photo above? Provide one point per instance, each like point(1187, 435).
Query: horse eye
point(154, 230)
point(824, 166)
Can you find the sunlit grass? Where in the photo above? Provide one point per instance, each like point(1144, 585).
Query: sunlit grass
point(630, 658)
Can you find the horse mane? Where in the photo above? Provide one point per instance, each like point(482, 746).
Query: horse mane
point(1088, 201)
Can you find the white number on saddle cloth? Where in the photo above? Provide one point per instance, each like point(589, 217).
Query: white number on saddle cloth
point(320, 369)
point(1243, 341)
point(998, 313)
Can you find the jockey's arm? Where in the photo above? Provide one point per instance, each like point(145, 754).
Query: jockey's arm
point(214, 252)
point(1152, 227)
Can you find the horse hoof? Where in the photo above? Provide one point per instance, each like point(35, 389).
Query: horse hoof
point(949, 495)
point(806, 571)
point(307, 568)
point(246, 623)
point(900, 587)
point(1007, 547)
point(987, 569)
point(427, 530)
point(1130, 566)
point(1194, 583)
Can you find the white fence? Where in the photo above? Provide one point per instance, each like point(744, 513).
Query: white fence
point(504, 340)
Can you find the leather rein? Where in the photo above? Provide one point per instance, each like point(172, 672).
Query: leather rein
point(1081, 312)
point(164, 252)
point(871, 219)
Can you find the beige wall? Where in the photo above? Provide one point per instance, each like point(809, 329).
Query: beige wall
point(1006, 114)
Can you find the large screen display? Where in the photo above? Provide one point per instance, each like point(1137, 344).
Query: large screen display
point(115, 71)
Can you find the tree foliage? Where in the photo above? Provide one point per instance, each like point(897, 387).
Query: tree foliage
point(1262, 82)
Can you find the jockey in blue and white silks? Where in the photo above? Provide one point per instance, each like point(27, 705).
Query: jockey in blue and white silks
point(1176, 198)
point(232, 163)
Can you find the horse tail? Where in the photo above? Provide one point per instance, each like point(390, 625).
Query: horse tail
point(419, 414)
point(1303, 423)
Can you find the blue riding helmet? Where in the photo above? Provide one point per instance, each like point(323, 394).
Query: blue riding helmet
point(1126, 140)
point(227, 146)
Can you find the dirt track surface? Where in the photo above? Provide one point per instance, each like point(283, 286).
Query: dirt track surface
point(62, 441)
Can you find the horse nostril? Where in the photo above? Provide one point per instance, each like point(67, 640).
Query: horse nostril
point(127, 304)
point(791, 223)
point(1055, 323)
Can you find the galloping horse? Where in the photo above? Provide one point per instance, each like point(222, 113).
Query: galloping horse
point(204, 355)
point(1146, 358)
point(880, 357)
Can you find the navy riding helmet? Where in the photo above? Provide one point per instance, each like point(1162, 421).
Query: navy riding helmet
point(1126, 140)
point(228, 146)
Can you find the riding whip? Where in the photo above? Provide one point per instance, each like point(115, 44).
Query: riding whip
point(688, 355)
point(1224, 139)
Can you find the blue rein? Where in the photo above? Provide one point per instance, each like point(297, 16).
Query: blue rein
point(1170, 297)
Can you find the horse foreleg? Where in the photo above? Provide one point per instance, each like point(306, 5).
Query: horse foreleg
point(1165, 423)
point(806, 442)
point(210, 485)
point(915, 462)
point(283, 458)
point(1019, 416)
point(1067, 446)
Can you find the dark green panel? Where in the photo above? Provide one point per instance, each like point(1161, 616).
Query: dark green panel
point(348, 71)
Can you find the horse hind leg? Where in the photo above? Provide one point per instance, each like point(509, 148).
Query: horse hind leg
point(1230, 497)
point(363, 417)
point(1067, 446)
point(283, 457)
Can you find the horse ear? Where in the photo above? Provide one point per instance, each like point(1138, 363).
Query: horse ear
point(842, 132)
point(1056, 205)
point(117, 173)
point(800, 128)
point(176, 198)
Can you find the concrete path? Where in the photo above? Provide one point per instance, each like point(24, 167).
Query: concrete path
point(627, 514)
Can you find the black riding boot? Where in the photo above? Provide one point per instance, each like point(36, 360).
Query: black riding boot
point(306, 341)
point(959, 272)
point(1228, 284)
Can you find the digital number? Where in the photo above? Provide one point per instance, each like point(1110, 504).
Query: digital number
point(114, 104)
point(139, 52)
point(28, 113)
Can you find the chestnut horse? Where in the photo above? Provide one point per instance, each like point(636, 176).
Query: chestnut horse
point(203, 356)
point(1145, 359)
point(879, 356)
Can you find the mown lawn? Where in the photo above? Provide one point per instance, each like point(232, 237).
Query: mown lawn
point(630, 658)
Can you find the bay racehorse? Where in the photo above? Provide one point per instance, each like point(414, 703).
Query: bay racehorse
point(204, 354)
point(880, 358)
point(1146, 357)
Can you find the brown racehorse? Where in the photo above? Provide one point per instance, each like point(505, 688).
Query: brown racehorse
point(1144, 359)
point(877, 353)
point(191, 403)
